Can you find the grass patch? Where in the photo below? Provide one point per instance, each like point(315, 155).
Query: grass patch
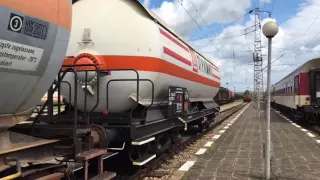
point(211, 148)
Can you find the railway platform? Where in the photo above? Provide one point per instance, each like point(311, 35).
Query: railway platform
point(238, 152)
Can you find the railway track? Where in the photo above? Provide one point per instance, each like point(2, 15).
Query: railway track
point(149, 170)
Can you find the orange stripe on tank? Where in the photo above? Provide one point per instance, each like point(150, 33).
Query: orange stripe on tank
point(58, 12)
point(150, 64)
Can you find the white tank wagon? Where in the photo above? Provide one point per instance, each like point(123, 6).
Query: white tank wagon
point(33, 41)
point(122, 34)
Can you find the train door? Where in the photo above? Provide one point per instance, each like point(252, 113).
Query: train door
point(315, 87)
point(318, 87)
point(296, 90)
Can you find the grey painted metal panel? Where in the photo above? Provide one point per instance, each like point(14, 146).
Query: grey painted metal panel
point(22, 89)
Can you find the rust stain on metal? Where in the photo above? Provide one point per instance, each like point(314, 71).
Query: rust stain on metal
point(11, 142)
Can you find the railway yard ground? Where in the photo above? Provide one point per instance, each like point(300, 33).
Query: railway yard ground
point(167, 168)
point(226, 107)
point(233, 149)
point(237, 151)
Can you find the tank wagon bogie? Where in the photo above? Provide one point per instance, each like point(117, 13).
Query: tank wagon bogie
point(298, 92)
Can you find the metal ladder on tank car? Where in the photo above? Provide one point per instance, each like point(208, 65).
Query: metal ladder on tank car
point(131, 119)
point(82, 149)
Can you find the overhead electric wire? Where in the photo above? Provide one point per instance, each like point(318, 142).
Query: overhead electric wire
point(245, 29)
point(305, 34)
point(306, 31)
point(274, 60)
point(304, 50)
point(216, 30)
point(199, 27)
point(245, 51)
point(272, 6)
point(207, 36)
point(312, 39)
point(199, 14)
point(238, 35)
point(226, 37)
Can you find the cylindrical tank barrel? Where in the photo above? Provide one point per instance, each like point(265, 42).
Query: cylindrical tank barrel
point(34, 36)
point(122, 34)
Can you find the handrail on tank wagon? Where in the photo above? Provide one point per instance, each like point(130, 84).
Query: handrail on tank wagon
point(49, 102)
point(69, 100)
point(86, 82)
point(137, 104)
point(138, 90)
point(45, 104)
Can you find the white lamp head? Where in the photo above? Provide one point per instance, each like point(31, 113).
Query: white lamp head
point(270, 29)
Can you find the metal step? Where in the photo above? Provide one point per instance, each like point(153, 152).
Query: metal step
point(142, 141)
point(62, 147)
point(84, 156)
point(143, 160)
point(104, 176)
point(54, 176)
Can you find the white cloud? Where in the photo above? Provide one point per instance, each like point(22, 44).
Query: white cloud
point(263, 2)
point(236, 64)
point(146, 3)
point(213, 11)
point(291, 40)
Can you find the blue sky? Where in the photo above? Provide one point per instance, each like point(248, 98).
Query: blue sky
point(230, 45)
point(281, 10)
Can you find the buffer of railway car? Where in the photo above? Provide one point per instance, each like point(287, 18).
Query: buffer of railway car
point(142, 133)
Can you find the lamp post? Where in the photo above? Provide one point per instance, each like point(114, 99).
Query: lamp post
point(270, 29)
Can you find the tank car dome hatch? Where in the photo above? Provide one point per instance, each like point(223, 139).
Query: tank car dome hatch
point(29, 59)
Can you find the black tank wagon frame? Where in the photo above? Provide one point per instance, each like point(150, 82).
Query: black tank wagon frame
point(133, 132)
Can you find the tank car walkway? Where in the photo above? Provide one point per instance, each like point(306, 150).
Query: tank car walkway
point(238, 152)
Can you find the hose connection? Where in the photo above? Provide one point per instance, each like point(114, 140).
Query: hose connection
point(87, 73)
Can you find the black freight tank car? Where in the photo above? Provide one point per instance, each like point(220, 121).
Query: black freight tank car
point(223, 96)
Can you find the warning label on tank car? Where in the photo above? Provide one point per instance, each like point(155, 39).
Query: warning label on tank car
point(19, 56)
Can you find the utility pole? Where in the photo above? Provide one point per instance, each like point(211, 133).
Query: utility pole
point(270, 29)
point(257, 59)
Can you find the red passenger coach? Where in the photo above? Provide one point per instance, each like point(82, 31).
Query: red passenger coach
point(299, 92)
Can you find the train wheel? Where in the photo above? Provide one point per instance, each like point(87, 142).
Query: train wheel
point(203, 124)
point(137, 152)
point(175, 136)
